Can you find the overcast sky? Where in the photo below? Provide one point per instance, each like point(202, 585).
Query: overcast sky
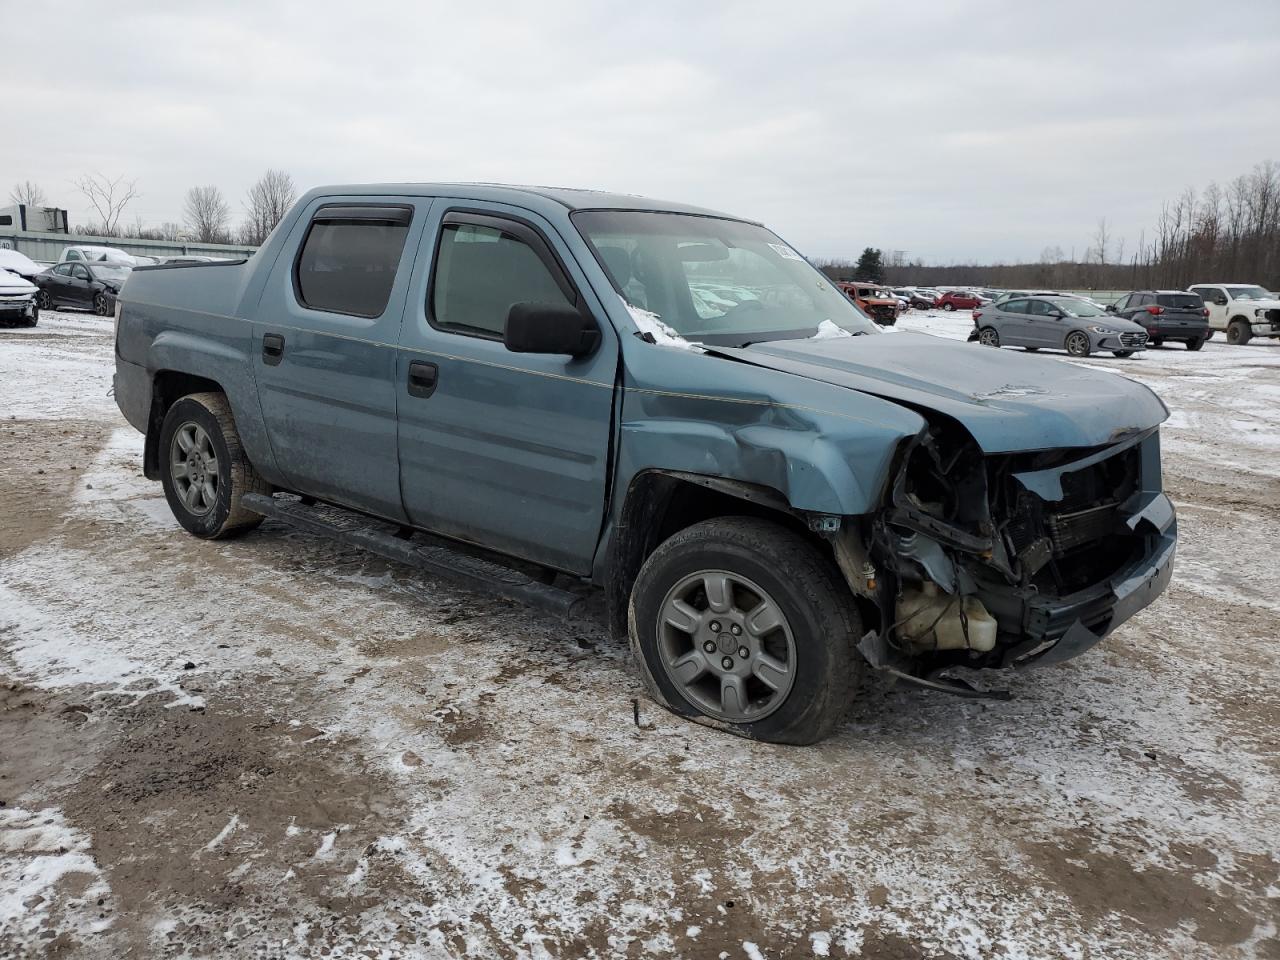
point(951, 130)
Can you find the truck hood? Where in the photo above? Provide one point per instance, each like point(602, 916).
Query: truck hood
point(1268, 304)
point(1009, 402)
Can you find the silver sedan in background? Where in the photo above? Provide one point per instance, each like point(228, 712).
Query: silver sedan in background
point(1080, 327)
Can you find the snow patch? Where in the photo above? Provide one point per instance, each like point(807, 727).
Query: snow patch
point(662, 334)
point(830, 330)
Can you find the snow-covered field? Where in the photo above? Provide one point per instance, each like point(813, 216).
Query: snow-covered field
point(277, 747)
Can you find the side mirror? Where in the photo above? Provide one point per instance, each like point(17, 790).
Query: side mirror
point(1110, 308)
point(549, 328)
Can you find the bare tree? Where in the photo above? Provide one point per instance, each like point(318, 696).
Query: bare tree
point(207, 214)
point(1101, 242)
point(267, 202)
point(28, 193)
point(108, 198)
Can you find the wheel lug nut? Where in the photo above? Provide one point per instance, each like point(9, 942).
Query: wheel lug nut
point(709, 647)
point(715, 626)
point(727, 663)
point(735, 630)
point(743, 652)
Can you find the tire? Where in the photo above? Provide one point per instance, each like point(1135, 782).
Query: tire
point(989, 337)
point(35, 318)
point(1239, 332)
point(948, 307)
point(100, 305)
point(43, 300)
point(204, 419)
point(771, 570)
point(1157, 341)
point(1195, 344)
point(1210, 334)
point(1122, 354)
point(1078, 344)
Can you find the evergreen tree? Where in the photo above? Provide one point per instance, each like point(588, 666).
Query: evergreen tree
point(870, 266)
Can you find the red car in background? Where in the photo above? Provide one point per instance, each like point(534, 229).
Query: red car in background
point(960, 300)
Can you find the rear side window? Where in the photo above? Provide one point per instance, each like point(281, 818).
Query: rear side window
point(481, 271)
point(1185, 301)
point(348, 261)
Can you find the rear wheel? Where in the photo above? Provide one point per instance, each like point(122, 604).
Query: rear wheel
point(1239, 332)
point(948, 307)
point(742, 624)
point(1157, 341)
point(989, 337)
point(44, 301)
point(1195, 344)
point(204, 469)
point(1078, 344)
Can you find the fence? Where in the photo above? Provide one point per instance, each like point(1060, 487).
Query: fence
point(47, 247)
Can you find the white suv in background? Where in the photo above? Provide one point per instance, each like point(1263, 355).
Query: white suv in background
point(1243, 310)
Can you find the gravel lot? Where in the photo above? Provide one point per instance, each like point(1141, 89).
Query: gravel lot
point(275, 747)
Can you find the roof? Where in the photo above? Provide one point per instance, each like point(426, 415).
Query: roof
point(527, 196)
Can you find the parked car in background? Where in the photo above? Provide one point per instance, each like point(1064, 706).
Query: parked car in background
point(873, 300)
point(771, 497)
point(916, 299)
point(1243, 310)
point(17, 300)
point(960, 300)
point(1058, 323)
point(1174, 315)
point(91, 254)
point(20, 264)
point(85, 286)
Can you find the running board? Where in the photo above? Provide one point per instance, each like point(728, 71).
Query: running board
point(435, 558)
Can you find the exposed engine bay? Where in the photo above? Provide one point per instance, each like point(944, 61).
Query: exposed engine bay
point(1011, 559)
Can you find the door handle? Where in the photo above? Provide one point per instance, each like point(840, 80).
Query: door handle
point(272, 349)
point(423, 377)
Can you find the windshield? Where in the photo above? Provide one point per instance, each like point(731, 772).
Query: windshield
point(1248, 293)
point(715, 281)
point(108, 271)
point(1078, 308)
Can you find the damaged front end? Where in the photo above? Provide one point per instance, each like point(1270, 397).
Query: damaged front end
point(1008, 560)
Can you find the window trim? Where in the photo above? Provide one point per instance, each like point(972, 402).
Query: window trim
point(396, 214)
point(528, 233)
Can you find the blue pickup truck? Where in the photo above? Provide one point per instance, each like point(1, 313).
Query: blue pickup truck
point(533, 390)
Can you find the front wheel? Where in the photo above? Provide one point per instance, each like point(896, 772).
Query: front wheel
point(1239, 332)
point(1078, 344)
point(100, 305)
point(44, 301)
point(989, 337)
point(742, 624)
point(204, 469)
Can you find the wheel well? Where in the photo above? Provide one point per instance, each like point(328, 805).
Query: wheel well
point(168, 387)
point(660, 503)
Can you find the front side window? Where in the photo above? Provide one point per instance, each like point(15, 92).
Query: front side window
point(722, 282)
point(79, 272)
point(349, 259)
point(481, 272)
point(1014, 306)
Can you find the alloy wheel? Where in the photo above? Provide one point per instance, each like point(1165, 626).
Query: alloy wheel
point(193, 465)
point(727, 645)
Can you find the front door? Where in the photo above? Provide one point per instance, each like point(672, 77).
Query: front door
point(507, 450)
point(1045, 326)
point(324, 348)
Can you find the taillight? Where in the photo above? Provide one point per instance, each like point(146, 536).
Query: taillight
point(1205, 311)
point(1155, 311)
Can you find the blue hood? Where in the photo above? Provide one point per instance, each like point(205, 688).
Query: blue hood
point(1009, 402)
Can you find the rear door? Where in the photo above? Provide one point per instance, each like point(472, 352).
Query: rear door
point(1218, 304)
point(1011, 317)
point(324, 350)
point(507, 450)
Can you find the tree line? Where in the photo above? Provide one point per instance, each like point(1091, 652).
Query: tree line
point(206, 214)
point(1226, 233)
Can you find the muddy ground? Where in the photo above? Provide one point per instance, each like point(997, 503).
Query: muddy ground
point(275, 747)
